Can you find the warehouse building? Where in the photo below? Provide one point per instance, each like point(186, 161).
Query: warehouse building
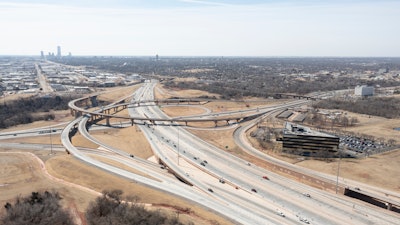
point(301, 140)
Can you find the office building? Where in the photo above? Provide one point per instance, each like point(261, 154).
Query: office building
point(301, 140)
point(58, 52)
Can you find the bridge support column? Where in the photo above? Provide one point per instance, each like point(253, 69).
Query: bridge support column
point(216, 125)
point(227, 122)
point(132, 122)
point(108, 121)
point(388, 206)
point(185, 123)
point(78, 114)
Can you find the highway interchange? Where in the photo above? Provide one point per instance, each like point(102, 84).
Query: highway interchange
point(232, 187)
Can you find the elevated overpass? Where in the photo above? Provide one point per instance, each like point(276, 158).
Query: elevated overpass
point(109, 112)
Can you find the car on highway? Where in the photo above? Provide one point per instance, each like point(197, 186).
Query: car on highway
point(307, 195)
point(132, 156)
point(221, 180)
point(202, 164)
point(281, 213)
point(210, 190)
point(265, 177)
point(254, 190)
point(304, 220)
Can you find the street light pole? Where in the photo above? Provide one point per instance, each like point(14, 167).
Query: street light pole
point(178, 146)
point(338, 169)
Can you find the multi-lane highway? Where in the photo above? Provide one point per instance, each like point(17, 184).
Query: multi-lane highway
point(242, 192)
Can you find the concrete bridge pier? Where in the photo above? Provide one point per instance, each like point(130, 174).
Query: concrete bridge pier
point(78, 114)
point(93, 100)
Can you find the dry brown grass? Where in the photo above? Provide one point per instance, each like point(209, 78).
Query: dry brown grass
point(122, 166)
point(162, 93)
point(79, 141)
point(23, 174)
point(378, 127)
point(130, 140)
point(223, 106)
point(115, 93)
point(175, 111)
point(378, 170)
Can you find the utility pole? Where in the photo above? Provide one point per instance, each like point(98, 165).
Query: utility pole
point(51, 142)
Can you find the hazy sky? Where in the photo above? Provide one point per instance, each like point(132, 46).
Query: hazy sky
point(201, 27)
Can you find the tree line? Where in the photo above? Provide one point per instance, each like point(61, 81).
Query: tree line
point(387, 107)
point(25, 110)
point(109, 209)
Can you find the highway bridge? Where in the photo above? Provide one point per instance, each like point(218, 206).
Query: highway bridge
point(109, 112)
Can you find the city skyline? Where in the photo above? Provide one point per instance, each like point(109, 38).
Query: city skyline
point(361, 28)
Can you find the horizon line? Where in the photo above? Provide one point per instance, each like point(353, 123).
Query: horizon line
point(201, 56)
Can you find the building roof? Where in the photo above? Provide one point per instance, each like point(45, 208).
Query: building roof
point(295, 129)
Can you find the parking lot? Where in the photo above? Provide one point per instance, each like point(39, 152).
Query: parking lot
point(361, 146)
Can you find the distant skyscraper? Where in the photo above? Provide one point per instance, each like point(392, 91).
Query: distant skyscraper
point(58, 52)
point(41, 54)
point(157, 57)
